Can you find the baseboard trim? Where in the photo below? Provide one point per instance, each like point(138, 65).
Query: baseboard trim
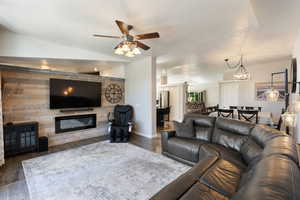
point(143, 134)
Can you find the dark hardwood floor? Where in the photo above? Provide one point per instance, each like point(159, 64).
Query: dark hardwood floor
point(12, 175)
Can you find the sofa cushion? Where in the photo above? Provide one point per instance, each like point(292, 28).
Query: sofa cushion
point(203, 133)
point(185, 129)
point(204, 125)
point(185, 148)
point(202, 192)
point(176, 189)
point(223, 177)
point(234, 126)
point(250, 150)
point(228, 154)
point(274, 177)
point(283, 145)
point(262, 134)
point(231, 133)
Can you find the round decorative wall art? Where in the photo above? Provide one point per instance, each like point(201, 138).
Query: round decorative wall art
point(113, 93)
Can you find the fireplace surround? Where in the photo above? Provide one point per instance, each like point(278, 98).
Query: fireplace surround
point(75, 122)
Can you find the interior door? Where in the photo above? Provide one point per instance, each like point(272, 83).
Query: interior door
point(229, 94)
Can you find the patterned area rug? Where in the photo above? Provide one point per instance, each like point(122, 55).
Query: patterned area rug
point(100, 171)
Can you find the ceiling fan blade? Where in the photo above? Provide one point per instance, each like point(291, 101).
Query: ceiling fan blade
point(147, 36)
point(123, 27)
point(142, 45)
point(106, 36)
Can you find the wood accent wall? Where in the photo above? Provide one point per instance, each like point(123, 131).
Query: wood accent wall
point(1, 128)
point(26, 98)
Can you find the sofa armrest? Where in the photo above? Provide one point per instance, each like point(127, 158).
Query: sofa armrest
point(110, 124)
point(207, 151)
point(130, 125)
point(183, 183)
point(165, 135)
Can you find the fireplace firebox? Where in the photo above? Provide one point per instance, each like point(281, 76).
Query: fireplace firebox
point(75, 122)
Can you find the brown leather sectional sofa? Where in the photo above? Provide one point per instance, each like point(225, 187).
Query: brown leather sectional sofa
point(232, 160)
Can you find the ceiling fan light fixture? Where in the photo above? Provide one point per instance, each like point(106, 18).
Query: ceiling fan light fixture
point(136, 51)
point(130, 44)
point(125, 47)
point(119, 51)
point(130, 54)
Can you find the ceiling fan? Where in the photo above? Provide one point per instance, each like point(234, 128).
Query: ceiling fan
point(129, 45)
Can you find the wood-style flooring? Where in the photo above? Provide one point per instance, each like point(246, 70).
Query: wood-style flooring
point(12, 180)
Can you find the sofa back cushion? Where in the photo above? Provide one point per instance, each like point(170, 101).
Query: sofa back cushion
point(273, 177)
point(231, 133)
point(203, 125)
point(184, 129)
point(250, 150)
point(283, 145)
point(262, 134)
point(255, 145)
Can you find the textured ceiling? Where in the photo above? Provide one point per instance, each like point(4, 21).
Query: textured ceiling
point(195, 35)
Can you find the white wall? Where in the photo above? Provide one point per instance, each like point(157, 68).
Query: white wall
point(140, 92)
point(17, 45)
point(261, 72)
point(177, 100)
point(296, 54)
point(117, 71)
point(212, 92)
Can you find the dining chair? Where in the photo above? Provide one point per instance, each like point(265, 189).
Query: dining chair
point(212, 109)
point(248, 115)
point(226, 113)
point(278, 125)
point(253, 108)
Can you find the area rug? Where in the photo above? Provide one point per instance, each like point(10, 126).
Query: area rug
point(100, 171)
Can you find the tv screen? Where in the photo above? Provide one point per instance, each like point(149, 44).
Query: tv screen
point(74, 94)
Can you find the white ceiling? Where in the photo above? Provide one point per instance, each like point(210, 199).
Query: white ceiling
point(196, 35)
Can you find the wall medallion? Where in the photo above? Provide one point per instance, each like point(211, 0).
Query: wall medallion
point(113, 93)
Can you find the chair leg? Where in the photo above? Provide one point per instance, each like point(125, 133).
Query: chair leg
point(119, 135)
point(112, 136)
point(126, 136)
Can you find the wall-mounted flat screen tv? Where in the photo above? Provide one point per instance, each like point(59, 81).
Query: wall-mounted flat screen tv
point(74, 94)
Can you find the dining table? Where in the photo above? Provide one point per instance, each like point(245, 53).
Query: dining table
point(263, 117)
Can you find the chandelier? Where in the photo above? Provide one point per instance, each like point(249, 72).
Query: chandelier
point(128, 49)
point(241, 73)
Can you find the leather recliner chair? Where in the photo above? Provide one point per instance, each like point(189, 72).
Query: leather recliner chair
point(121, 126)
point(234, 160)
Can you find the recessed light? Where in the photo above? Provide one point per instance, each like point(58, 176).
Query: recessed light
point(45, 67)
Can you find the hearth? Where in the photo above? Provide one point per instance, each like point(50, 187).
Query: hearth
point(75, 122)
